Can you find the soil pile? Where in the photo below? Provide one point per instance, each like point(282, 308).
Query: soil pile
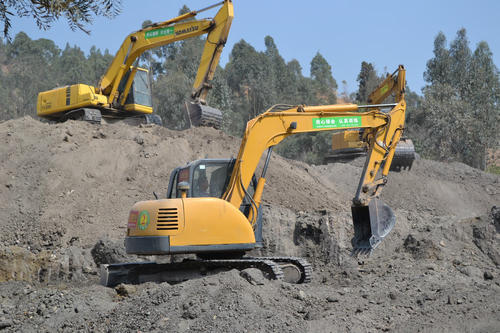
point(66, 189)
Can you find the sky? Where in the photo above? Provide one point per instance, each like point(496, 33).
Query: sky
point(385, 33)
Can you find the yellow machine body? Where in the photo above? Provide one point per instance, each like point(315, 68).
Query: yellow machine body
point(68, 98)
point(347, 139)
point(187, 225)
point(114, 96)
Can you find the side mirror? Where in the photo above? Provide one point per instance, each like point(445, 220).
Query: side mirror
point(183, 187)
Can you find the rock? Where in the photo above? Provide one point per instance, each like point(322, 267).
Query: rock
point(487, 275)
point(139, 139)
point(311, 315)
point(191, 311)
point(125, 290)
point(301, 295)
point(392, 296)
point(254, 276)
point(470, 271)
point(5, 324)
point(495, 214)
point(106, 251)
point(332, 299)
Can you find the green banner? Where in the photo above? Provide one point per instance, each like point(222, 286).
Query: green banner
point(159, 32)
point(337, 122)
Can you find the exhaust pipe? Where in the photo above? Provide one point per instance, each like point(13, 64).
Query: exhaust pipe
point(372, 224)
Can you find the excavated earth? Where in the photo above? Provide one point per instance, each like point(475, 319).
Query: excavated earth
point(65, 193)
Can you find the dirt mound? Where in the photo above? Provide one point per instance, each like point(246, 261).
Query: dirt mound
point(79, 180)
point(65, 191)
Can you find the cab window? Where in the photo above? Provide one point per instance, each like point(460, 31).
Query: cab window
point(209, 180)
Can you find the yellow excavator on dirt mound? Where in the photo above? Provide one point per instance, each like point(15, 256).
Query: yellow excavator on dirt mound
point(349, 144)
point(213, 208)
point(124, 92)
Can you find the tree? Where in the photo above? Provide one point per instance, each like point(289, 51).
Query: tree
point(78, 13)
point(438, 68)
point(368, 80)
point(98, 63)
point(321, 74)
point(29, 66)
point(460, 112)
point(73, 67)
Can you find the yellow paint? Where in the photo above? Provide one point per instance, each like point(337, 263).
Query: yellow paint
point(212, 221)
point(347, 139)
point(52, 103)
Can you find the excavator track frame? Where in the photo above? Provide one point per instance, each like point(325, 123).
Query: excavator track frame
point(140, 272)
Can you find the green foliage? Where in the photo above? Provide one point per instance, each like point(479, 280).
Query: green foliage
point(495, 169)
point(76, 12)
point(257, 80)
point(29, 66)
point(368, 80)
point(324, 83)
point(458, 117)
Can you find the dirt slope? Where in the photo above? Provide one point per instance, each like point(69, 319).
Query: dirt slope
point(65, 186)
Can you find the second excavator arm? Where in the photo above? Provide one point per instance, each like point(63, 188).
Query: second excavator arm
point(372, 219)
point(173, 30)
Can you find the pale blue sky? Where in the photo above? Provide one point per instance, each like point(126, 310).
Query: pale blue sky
point(385, 33)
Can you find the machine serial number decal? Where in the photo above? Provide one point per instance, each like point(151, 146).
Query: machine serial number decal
point(143, 220)
point(159, 32)
point(185, 31)
point(337, 122)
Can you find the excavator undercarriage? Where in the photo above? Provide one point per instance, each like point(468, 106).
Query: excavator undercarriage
point(288, 269)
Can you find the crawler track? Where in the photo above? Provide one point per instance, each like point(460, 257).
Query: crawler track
point(136, 273)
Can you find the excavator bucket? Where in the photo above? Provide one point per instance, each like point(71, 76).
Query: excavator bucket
point(203, 115)
point(371, 224)
point(404, 155)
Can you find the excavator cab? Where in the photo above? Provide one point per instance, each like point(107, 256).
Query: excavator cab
point(205, 178)
point(136, 88)
point(210, 178)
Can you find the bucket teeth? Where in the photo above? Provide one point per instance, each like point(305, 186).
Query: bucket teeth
point(372, 224)
point(361, 252)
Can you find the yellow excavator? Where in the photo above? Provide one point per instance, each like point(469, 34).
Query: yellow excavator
point(213, 208)
point(124, 92)
point(349, 144)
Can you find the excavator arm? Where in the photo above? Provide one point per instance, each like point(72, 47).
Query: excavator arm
point(394, 82)
point(383, 132)
point(162, 33)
